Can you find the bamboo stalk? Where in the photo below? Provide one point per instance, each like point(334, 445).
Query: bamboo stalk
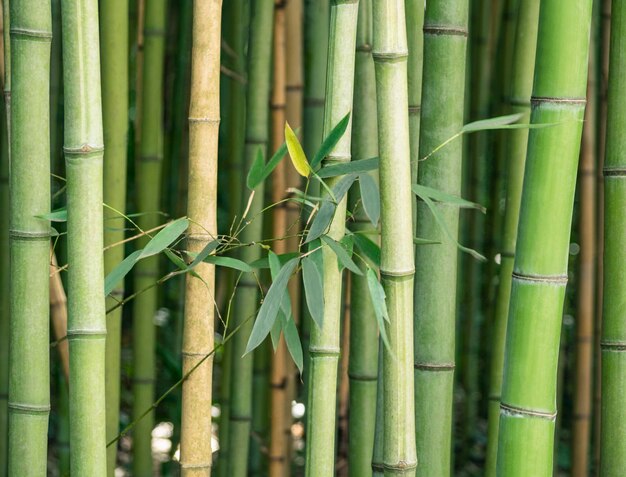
point(581, 427)
point(514, 148)
point(58, 317)
point(390, 54)
point(343, 385)
point(324, 344)
point(445, 38)
point(148, 177)
point(246, 300)
point(363, 359)
point(528, 407)
point(204, 111)
point(29, 237)
point(83, 161)
point(114, 37)
point(613, 450)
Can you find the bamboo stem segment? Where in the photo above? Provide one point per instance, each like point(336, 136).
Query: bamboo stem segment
point(528, 407)
point(29, 237)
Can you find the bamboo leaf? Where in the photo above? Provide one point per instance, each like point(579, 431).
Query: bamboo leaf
point(270, 306)
point(296, 153)
point(229, 262)
point(368, 247)
point(446, 198)
point(282, 258)
point(255, 173)
point(290, 332)
point(275, 266)
point(165, 237)
point(59, 215)
point(370, 197)
point(379, 302)
point(275, 332)
point(352, 167)
point(180, 263)
point(331, 141)
point(491, 123)
point(444, 227)
point(423, 241)
point(342, 255)
point(204, 253)
point(119, 272)
point(312, 277)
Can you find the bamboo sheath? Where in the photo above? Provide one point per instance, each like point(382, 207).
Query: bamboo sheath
point(114, 38)
point(4, 249)
point(581, 428)
point(146, 272)
point(316, 35)
point(613, 344)
point(528, 407)
point(58, 317)
point(204, 113)
point(29, 238)
point(324, 344)
point(445, 38)
point(279, 439)
point(246, 299)
point(518, 102)
point(390, 54)
point(83, 162)
point(363, 359)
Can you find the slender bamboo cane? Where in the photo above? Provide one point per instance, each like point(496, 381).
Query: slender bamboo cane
point(528, 408)
point(397, 273)
point(261, 387)
point(324, 344)
point(148, 177)
point(279, 440)
point(363, 360)
point(581, 427)
point(196, 455)
point(29, 237)
point(246, 301)
point(58, 317)
point(343, 384)
point(613, 451)
point(378, 467)
point(114, 65)
point(316, 29)
point(4, 256)
point(445, 38)
point(515, 150)
point(83, 161)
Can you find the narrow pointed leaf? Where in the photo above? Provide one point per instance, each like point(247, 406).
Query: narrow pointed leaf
point(255, 173)
point(342, 255)
point(491, 123)
point(204, 253)
point(313, 286)
point(165, 237)
point(290, 332)
point(59, 215)
point(370, 197)
point(377, 294)
point(368, 247)
point(444, 197)
point(352, 167)
point(119, 272)
point(229, 262)
point(331, 140)
point(296, 153)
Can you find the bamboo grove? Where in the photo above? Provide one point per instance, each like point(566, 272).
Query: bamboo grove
point(313, 238)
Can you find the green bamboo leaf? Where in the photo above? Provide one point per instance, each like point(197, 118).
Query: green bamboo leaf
point(229, 262)
point(59, 215)
point(165, 237)
point(370, 197)
point(423, 241)
point(275, 332)
point(282, 258)
point(119, 272)
point(271, 306)
point(290, 332)
point(342, 255)
point(352, 167)
point(325, 215)
point(255, 173)
point(296, 153)
point(204, 253)
point(379, 302)
point(442, 224)
point(446, 198)
point(275, 266)
point(312, 277)
point(368, 247)
point(176, 260)
point(331, 141)
point(491, 123)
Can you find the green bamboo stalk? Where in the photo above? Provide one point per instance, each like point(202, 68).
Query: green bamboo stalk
point(148, 177)
point(528, 407)
point(83, 162)
point(514, 149)
point(363, 349)
point(378, 467)
point(114, 66)
point(246, 301)
point(324, 344)
point(4, 258)
point(390, 54)
point(29, 238)
point(613, 449)
point(204, 111)
point(445, 38)
point(316, 34)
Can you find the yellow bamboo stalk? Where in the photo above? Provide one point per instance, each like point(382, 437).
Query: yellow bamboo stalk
point(204, 114)
point(58, 316)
